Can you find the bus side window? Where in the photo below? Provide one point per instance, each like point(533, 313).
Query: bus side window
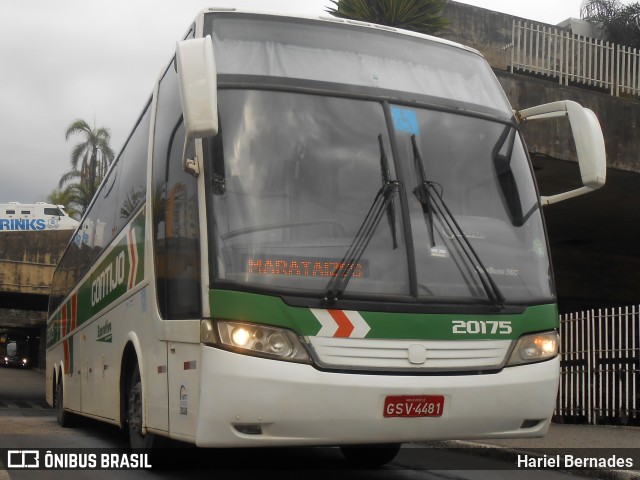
point(176, 228)
point(133, 177)
point(69, 271)
point(100, 219)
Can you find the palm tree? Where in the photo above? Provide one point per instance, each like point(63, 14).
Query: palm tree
point(424, 16)
point(65, 198)
point(75, 197)
point(73, 193)
point(615, 21)
point(93, 154)
point(81, 197)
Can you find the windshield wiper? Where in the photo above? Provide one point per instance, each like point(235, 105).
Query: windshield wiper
point(386, 179)
point(431, 200)
point(382, 202)
point(422, 190)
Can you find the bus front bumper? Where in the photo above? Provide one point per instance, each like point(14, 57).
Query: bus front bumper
point(248, 401)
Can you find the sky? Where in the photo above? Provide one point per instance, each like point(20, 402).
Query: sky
point(97, 60)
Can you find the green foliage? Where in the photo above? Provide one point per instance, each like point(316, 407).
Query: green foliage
point(66, 198)
point(424, 16)
point(90, 160)
point(615, 21)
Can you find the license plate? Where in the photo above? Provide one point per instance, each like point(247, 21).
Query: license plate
point(413, 406)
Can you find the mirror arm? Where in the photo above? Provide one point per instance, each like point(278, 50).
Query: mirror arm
point(539, 116)
point(190, 165)
point(559, 107)
point(551, 199)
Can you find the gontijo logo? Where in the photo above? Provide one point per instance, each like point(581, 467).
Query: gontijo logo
point(108, 279)
point(118, 270)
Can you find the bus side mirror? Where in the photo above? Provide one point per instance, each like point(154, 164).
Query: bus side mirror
point(587, 135)
point(197, 80)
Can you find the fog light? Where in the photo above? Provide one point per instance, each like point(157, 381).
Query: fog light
point(249, 428)
point(531, 423)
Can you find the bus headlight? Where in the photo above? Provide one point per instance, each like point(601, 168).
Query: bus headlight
point(534, 348)
point(254, 339)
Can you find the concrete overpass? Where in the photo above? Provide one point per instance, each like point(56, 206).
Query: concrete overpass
point(27, 262)
point(594, 238)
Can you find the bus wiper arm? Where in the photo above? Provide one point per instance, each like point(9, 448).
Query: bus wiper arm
point(386, 178)
point(382, 202)
point(431, 199)
point(422, 190)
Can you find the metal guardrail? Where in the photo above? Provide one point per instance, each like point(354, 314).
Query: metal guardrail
point(600, 367)
point(574, 59)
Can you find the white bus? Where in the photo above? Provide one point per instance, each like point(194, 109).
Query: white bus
point(319, 232)
point(39, 216)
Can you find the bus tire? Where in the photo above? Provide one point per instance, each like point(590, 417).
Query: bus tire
point(370, 456)
point(137, 440)
point(65, 419)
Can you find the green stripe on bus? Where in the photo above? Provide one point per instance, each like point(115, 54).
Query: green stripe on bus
point(109, 281)
point(272, 310)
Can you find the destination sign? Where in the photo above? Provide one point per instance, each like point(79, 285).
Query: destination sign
point(301, 266)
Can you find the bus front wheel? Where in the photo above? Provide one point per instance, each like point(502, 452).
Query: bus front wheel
point(137, 440)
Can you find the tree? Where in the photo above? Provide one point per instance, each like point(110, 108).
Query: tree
point(78, 194)
point(92, 155)
point(67, 199)
point(81, 196)
point(424, 16)
point(75, 197)
point(615, 21)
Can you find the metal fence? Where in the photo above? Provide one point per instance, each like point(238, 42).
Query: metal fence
point(600, 367)
point(574, 59)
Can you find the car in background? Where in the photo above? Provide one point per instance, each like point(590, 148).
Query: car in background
point(14, 357)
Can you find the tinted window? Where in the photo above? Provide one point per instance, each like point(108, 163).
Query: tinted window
point(124, 187)
point(175, 211)
point(133, 177)
point(303, 177)
point(100, 221)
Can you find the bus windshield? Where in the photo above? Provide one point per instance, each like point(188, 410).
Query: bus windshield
point(297, 175)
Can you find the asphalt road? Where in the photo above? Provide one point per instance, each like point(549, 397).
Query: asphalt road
point(26, 423)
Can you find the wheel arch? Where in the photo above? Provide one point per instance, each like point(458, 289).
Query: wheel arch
point(131, 355)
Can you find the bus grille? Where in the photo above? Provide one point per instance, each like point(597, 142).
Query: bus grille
point(411, 355)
